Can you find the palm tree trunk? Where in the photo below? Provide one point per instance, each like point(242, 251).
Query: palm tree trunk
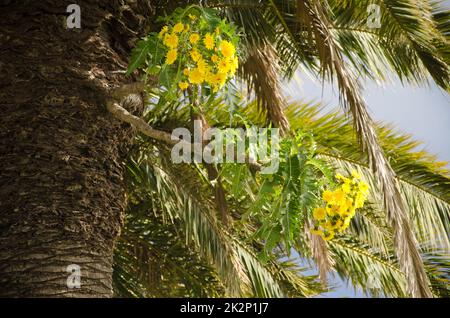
point(61, 152)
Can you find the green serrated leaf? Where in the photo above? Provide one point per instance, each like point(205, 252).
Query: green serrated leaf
point(140, 54)
point(322, 166)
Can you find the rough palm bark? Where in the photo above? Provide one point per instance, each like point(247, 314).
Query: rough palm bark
point(61, 151)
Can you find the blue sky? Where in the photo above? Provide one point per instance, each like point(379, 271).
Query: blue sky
point(423, 112)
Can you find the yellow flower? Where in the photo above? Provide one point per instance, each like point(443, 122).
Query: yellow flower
point(214, 58)
point(171, 41)
point(178, 28)
point(363, 187)
point(201, 65)
point(196, 77)
point(340, 177)
point(219, 79)
point(227, 48)
point(171, 57)
point(356, 175)
point(329, 236)
point(195, 55)
point(338, 225)
point(217, 30)
point(186, 72)
point(339, 196)
point(341, 205)
point(333, 225)
point(345, 207)
point(224, 66)
point(194, 38)
point(319, 213)
point(349, 202)
point(346, 188)
point(209, 76)
point(192, 17)
point(332, 209)
point(346, 223)
point(183, 85)
point(352, 212)
point(327, 225)
point(209, 41)
point(343, 210)
point(327, 196)
point(359, 201)
point(164, 30)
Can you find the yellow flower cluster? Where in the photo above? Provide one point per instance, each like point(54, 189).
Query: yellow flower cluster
point(204, 57)
point(341, 205)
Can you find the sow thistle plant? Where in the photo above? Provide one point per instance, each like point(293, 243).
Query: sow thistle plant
point(195, 54)
point(194, 51)
point(206, 57)
point(340, 206)
point(305, 189)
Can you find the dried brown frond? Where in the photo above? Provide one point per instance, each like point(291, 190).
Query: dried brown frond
point(320, 253)
point(213, 173)
point(261, 72)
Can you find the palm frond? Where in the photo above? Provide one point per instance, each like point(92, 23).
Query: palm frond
point(177, 195)
point(410, 38)
point(201, 227)
point(320, 254)
point(374, 274)
point(152, 261)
